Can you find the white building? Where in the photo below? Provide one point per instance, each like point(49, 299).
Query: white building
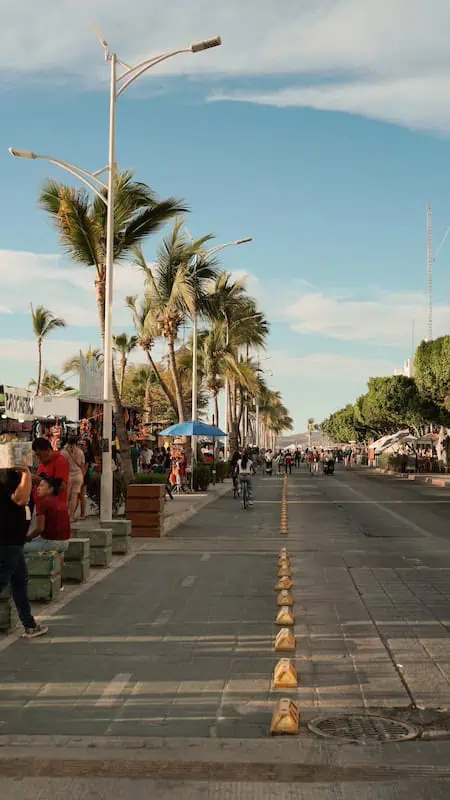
point(408, 369)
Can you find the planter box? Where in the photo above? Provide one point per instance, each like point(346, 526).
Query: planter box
point(76, 571)
point(154, 505)
point(145, 506)
point(101, 556)
point(78, 550)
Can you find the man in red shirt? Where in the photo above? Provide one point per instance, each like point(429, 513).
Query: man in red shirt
point(53, 465)
point(52, 531)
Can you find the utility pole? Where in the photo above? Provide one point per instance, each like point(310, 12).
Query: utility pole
point(430, 273)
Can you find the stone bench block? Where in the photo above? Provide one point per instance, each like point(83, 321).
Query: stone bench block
point(101, 556)
point(78, 550)
point(76, 571)
point(8, 614)
point(41, 588)
point(99, 537)
point(121, 545)
point(119, 527)
point(43, 564)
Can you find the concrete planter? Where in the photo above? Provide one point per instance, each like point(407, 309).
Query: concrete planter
point(145, 508)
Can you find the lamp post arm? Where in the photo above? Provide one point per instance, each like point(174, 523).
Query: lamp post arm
point(133, 73)
point(80, 175)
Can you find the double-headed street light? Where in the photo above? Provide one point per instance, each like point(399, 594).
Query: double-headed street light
point(118, 84)
point(205, 254)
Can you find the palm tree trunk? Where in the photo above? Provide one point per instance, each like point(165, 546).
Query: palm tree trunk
point(123, 366)
point(161, 381)
point(147, 412)
point(216, 410)
point(39, 373)
point(176, 380)
point(119, 417)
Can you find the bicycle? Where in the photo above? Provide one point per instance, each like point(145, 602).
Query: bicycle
point(245, 497)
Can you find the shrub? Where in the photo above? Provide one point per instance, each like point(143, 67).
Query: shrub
point(93, 481)
point(202, 477)
point(149, 477)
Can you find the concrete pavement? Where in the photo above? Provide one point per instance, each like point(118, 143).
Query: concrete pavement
point(169, 657)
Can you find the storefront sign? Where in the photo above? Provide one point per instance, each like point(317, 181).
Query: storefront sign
point(19, 403)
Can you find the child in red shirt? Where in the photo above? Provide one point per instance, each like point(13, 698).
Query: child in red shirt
point(52, 531)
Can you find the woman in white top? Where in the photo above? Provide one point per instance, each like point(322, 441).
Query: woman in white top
point(245, 470)
point(75, 457)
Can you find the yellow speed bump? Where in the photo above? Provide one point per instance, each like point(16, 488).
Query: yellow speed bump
point(284, 583)
point(286, 718)
point(285, 616)
point(285, 675)
point(285, 599)
point(285, 641)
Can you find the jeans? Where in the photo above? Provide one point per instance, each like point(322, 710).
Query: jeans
point(40, 545)
point(13, 570)
point(248, 481)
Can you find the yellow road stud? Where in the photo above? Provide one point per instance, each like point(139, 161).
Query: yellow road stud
point(284, 583)
point(284, 554)
point(286, 718)
point(284, 571)
point(285, 641)
point(285, 599)
point(285, 675)
point(285, 616)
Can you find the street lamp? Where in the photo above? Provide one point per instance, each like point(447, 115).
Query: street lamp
point(118, 84)
point(194, 403)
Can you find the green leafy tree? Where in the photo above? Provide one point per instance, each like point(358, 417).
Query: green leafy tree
point(51, 384)
point(44, 323)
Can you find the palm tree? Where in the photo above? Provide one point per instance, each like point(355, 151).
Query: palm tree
point(73, 364)
point(176, 289)
point(274, 415)
point(81, 225)
point(44, 323)
point(146, 340)
point(51, 384)
point(124, 345)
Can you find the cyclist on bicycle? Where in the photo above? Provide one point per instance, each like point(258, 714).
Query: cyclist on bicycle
point(233, 468)
point(245, 470)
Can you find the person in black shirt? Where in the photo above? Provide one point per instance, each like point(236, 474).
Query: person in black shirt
point(15, 490)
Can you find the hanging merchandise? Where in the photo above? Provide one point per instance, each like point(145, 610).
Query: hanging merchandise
point(55, 436)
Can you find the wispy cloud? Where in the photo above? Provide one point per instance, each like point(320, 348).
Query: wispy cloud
point(386, 318)
point(386, 59)
point(67, 290)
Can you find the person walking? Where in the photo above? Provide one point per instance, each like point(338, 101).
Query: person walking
point(288, 463)
point(76, 461)
point(15, 491)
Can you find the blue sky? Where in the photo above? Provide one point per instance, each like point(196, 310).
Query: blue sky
point(320, 131)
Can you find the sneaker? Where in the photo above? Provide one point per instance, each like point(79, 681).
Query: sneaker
point(33, 633)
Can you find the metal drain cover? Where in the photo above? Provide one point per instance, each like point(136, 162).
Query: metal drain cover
point(363, 728)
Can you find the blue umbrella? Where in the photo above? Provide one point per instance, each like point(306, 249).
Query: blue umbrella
point(193, 429)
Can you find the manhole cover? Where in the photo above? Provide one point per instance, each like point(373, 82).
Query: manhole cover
point(367, 728)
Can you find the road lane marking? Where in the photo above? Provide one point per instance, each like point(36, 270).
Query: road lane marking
point(188, 581)
point(112, 692)
point(356, 502)
point(205, 557)
point(163, 618)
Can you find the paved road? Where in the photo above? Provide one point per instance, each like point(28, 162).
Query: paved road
point(172, 653)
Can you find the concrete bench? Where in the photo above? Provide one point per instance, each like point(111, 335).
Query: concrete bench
point(121, 535)
point(77, 561)
point(8, 613)
point(100, 546)
point(44, 575)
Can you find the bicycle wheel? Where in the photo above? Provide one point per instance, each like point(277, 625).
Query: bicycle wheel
point(245, 495)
